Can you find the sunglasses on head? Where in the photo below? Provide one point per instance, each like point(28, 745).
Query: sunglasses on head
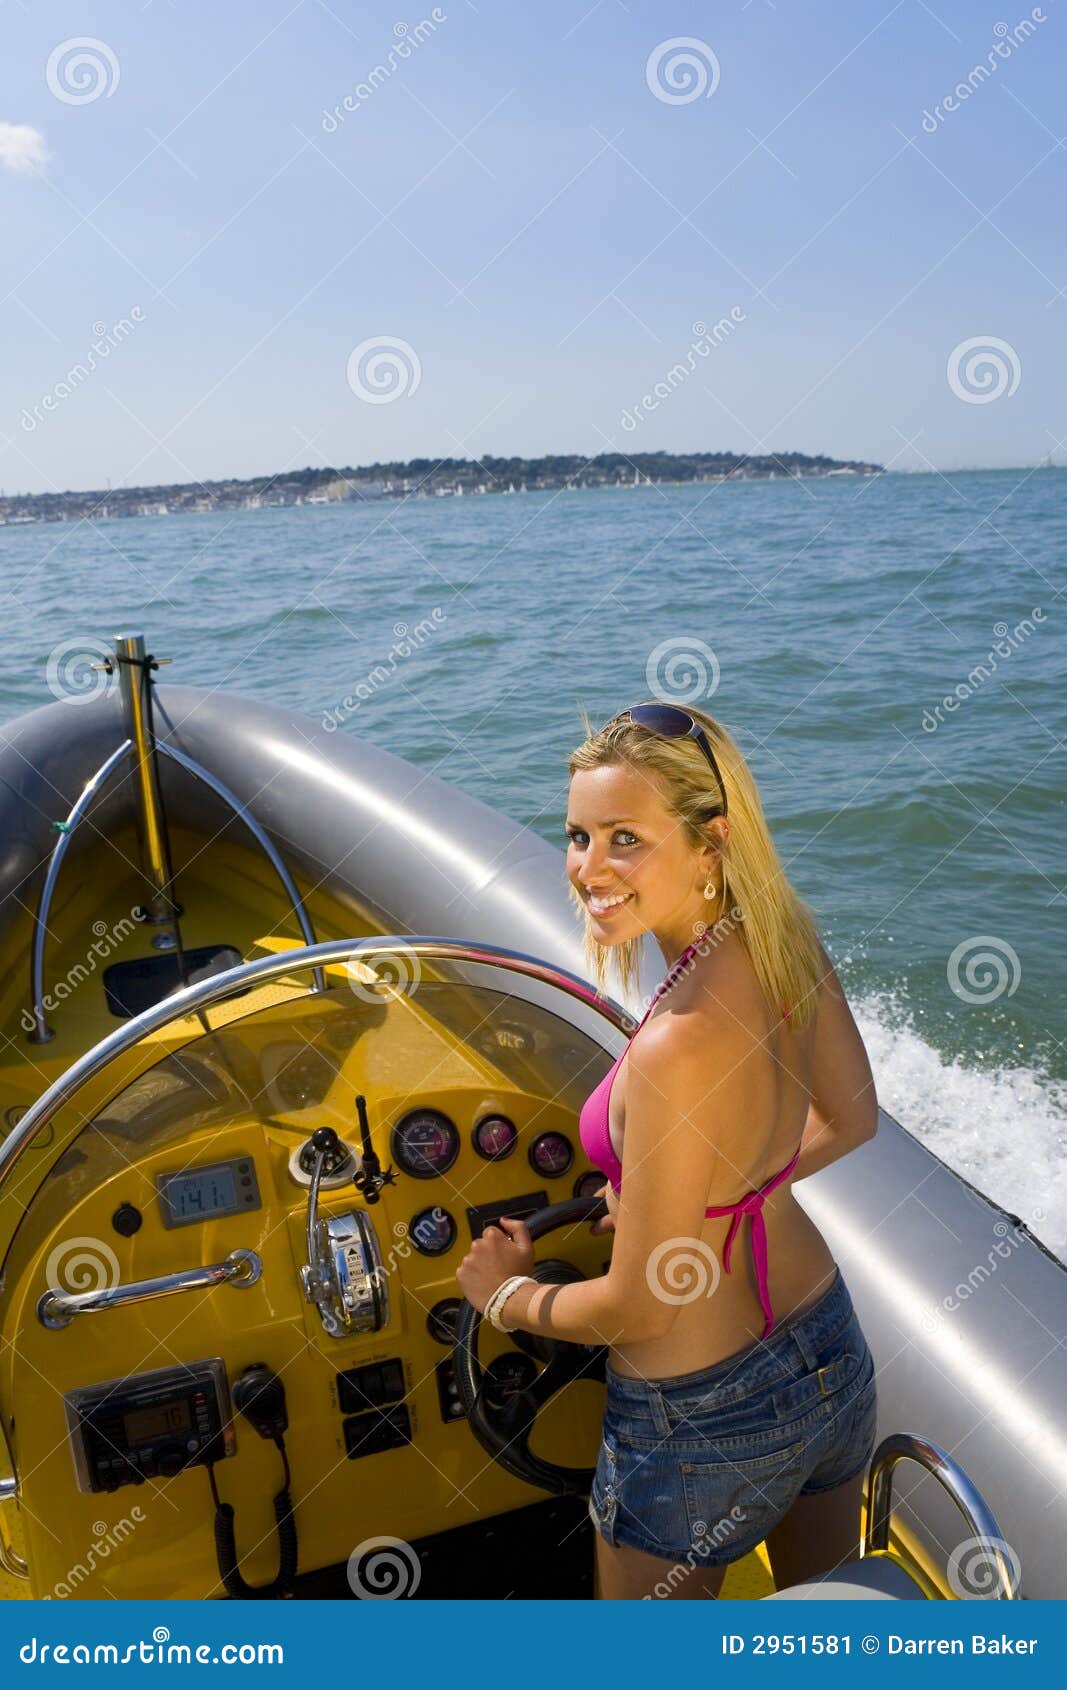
point(670, 722)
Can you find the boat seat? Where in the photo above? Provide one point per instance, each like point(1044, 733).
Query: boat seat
point(875, 1578)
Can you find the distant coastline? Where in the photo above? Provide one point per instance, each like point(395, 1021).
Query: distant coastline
point(422, 478)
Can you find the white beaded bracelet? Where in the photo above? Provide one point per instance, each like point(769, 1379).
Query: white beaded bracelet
point(500, 1296)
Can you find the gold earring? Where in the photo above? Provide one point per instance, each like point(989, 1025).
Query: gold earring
point(709, 890)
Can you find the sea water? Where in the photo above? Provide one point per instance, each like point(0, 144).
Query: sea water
point(889, 653)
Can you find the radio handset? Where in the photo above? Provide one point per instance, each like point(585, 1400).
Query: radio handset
point(259, 1395)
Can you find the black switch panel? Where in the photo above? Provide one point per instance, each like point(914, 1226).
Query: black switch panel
point(448, 1391)
point(370, 1387)
point(370, 1434)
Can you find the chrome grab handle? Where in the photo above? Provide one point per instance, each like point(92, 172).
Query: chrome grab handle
point(56, 1309)
point(906, 1446)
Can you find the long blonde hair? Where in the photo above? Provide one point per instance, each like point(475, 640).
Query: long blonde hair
point(777, 927)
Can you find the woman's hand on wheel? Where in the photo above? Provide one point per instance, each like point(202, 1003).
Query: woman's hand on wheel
point(606, 1223)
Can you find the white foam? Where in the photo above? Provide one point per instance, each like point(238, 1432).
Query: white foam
point(1004, 1129)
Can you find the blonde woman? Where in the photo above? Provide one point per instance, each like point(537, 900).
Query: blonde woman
point(741, 1397)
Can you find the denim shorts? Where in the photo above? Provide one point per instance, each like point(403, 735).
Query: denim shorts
point(706, 1464)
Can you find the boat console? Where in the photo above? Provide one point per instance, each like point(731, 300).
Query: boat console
point(251, 1184)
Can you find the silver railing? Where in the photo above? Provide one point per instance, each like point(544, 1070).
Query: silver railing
point(989, 1542)
point(131, 661)
point(56, 1309)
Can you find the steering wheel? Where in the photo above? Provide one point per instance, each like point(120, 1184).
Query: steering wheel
point(504, 1429)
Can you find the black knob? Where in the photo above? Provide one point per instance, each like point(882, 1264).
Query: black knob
point(170, 1459)
point(127, 1220)
point(325, 1141)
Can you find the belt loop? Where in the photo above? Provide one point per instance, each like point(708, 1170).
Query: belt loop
point(808, 1352)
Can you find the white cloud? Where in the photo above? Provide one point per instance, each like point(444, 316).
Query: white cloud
point(22, 149)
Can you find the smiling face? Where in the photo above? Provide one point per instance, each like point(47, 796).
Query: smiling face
point(629, 858)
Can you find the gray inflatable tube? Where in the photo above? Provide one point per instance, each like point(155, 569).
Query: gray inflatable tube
point(965, 1311)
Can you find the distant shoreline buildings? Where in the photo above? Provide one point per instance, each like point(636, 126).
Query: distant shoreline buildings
point(422, 478)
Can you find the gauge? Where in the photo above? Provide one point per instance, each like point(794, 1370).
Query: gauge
point(551, 1154)
point(588, 1184)
point(505, 1377)
point(433, 1231)
point(495, 1137)
point(425, 1143)
point(442, 1318)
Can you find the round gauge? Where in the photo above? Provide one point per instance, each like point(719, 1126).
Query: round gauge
point(432, 1231)
point(506, 1376)
point(588, 1184)
point(551, 1154)
point(495, 1137)
point(442, 1318)
point(425, 1143)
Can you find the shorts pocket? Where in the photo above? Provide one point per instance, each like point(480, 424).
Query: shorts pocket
point(840, 1368)
point(732, 1503)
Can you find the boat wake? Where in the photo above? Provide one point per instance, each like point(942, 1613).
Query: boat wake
point(1004, 1129)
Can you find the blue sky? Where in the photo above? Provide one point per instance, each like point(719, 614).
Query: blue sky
point(516, 204)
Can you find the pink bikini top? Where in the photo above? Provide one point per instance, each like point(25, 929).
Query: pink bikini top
point(593, 1130)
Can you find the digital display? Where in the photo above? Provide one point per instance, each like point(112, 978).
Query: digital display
point(200, 1194)
point(144, 1425)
